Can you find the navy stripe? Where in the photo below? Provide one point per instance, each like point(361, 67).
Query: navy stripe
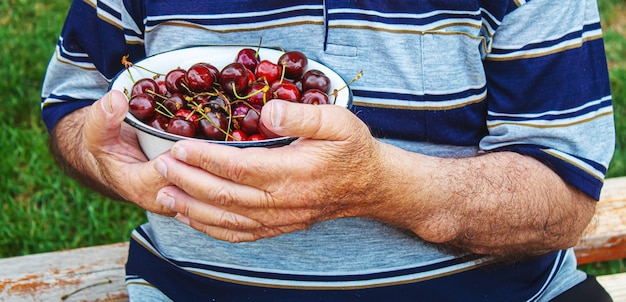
point(55, 111)
point(493, 24)
point(517, 281)
point(102, 6)
point(448, 17)
point(464, 126)
point(164, 8)
point(82, 58)
point(549, 43)
point(105, 44)
point(413, 7)
point(553, 82)
point(270, 17)
point(418, 97)
point(550, 117)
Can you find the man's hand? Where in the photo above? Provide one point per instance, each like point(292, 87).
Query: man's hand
point(101, 151)
point(253, 193)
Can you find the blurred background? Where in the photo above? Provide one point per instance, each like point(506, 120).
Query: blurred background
point(42, 210)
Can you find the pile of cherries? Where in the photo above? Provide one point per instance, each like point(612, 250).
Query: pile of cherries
point(208, 103)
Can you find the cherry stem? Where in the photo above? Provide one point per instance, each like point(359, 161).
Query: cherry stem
point(336, 91)
point(256, 54)
point(203, 114)
point(127, 64)
point(247, 104)
point(282, 75)
point(167, 112)
point(156, 94)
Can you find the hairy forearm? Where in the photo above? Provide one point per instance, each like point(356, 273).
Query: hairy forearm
point(499, 203)
point(66, 146)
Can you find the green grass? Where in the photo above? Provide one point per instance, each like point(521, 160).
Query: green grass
point(41, 210)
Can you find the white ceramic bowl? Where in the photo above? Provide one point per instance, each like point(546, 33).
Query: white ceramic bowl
point(154, 142)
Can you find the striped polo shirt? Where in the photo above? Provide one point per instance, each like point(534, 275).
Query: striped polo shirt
point(445, 78)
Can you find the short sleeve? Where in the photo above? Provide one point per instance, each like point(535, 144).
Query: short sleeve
point(548, 90)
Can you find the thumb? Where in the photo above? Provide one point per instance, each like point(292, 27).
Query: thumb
point(323, 122)
point(104, 119)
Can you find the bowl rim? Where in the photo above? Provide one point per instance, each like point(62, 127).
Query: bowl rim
point(279, 141)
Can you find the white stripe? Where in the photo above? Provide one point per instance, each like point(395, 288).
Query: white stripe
point(234, 15)
point(60, 58)
point(248, 26)
point(577, 162)
point(133, 39)
point(422, 104)
point(400, 15)
point(487, 24)
point(73, 54)
point(551, 112)
point(564, 44)
point(317, 284)
point(556, 122)
point(553, 272)
point(339, 284)
point(399, 27)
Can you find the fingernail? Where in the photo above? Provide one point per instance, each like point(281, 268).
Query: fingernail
point(276, 114)
point(107, 106)
point(182, 218)
point(165, 200)
point(161, 167)
point(179, 153)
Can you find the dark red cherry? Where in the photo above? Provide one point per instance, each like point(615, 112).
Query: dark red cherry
point(295, 64)
point(145, 85)
point(248, 57)
point(214, 126)
point(315, 79)
point(162, 87)
point(237, 135)
point(175, 102)
point(240, 110)
point(214, 71)
point(258, 93)
point(142, 106)
point(181, 126)
point(199, 78)
point(188, 114)
point(250, 123)
point(234, 76)
point(218, 103)
point(314, 96)
point(266, 132)
point(175, 80)
point(285, 90)
point(256, 137)
point(268, 70)
point(159, 122)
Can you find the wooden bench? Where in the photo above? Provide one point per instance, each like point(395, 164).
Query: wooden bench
point(97, 273)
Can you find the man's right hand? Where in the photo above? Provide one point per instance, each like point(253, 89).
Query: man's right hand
point(107, 152)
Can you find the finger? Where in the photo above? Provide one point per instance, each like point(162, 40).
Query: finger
point(103, 121)
point(178, 201)
point(220, 192)
point(257, 167)
point(321, 122)
point(218, 232)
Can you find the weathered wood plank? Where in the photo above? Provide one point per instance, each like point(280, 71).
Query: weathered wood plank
point(96, 273)
point(605, 239)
